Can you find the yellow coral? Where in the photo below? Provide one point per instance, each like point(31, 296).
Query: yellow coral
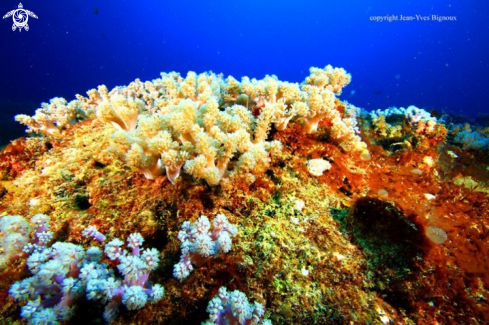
point(333, 79)
point(120, 111)
point(194, 114)
point(203, 122)
point(53, 118)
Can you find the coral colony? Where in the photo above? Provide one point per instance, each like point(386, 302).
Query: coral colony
point(63, 273)
point(243, 202)
point(199, 244)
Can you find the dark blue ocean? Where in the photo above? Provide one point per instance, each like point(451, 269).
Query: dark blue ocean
point(399, 53)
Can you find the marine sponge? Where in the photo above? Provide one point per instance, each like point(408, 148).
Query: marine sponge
point(316, 167)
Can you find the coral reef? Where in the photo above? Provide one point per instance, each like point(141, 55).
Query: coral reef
point(319, 212)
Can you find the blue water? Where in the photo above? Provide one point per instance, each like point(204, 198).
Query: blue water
point(74, 46)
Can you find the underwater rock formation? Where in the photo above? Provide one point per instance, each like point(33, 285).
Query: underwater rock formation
point(344, 216)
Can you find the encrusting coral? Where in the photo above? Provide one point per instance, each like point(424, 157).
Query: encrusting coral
point(344, 216)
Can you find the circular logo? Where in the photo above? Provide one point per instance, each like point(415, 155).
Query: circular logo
point(20, 18)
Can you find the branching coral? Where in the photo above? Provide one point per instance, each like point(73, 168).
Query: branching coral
point(218, 129)
point(64, 272)
point(134, 290)
point(234, 308)
point(329, 78)
point(199, 243)
point(53, 118)
point(120, 111)
point(215, 129)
